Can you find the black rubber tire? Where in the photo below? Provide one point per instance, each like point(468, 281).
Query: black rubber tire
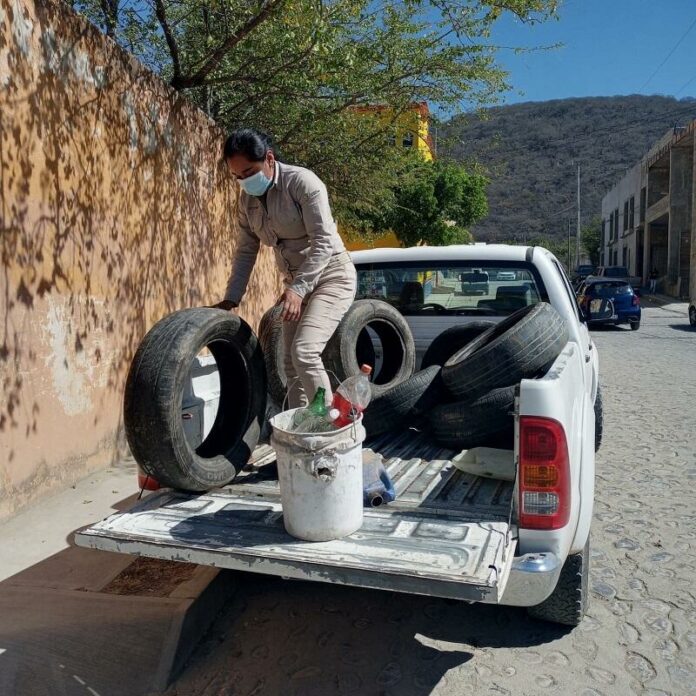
point(402, 403)
point(635, 325)
point(599, 419)
point(523, 345)
point(452, 340)
point(692, 315)
point(568, 602)
point(467, 424)
point(271, 340)
point(350, 346)
point(153, 396)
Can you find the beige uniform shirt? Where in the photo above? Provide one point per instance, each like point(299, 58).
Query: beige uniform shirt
point(296, 221)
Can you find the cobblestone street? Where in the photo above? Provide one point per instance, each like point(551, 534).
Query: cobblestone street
point(639, 636)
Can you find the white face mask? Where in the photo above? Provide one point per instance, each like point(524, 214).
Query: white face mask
point(256, 184)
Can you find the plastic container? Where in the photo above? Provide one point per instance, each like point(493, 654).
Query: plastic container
point(377, 486)
point(352, 396)
point(321, 479)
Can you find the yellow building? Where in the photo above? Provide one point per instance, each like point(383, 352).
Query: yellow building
point(411, 130)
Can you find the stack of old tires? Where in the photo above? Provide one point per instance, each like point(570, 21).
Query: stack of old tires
point(468, 402)
point(463, 395)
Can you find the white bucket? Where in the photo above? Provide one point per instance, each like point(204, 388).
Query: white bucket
point(321, 479)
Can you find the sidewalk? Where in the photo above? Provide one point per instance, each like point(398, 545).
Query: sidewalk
point(659, 300)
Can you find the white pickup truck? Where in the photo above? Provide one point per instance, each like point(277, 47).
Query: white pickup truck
point(449, 533)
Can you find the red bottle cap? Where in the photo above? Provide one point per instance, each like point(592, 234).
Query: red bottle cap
point(366, 369)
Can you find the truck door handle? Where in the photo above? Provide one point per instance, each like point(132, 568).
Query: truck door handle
point(588, 357)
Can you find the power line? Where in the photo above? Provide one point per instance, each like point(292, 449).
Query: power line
point(669, 55)
point(685, 85)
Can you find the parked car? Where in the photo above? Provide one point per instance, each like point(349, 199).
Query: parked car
point(618, 273)
point(506, 275)
point(609, 302)
point(523, 540)
point(581, 272)
point(474, 282)
point(692, 312)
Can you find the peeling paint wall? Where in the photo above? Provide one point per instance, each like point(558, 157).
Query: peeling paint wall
point(115, 210)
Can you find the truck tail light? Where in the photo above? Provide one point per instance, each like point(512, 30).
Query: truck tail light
point(544, 485)
point(636, 300)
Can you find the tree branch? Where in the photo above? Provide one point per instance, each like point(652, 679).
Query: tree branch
point(169, 37)
point(211, 63)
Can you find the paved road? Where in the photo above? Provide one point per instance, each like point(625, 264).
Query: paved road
point(290, 638)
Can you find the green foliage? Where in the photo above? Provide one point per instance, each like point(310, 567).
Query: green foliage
point(591, 240)
point(297, 68)
point(433, 202)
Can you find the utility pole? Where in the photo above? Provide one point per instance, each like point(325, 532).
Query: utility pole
point(577, 239)
point(570, 265)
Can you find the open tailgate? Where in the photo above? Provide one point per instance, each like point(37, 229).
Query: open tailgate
point(447, 535)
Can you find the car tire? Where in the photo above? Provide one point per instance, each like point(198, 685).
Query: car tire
point(271, 340)
point(351, 345)
point(467, 424)
point(568, 602)
point(404, 402)
point(523, 345)
point(692, 315)
point(599, 419)
point(451, 340)
point(155, 385)
point(635, 325)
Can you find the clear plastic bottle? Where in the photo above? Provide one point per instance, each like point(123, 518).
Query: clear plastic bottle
point(352, 397)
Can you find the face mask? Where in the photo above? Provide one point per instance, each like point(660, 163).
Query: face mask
point(257, 184)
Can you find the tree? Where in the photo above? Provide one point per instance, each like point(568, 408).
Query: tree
point(296, 68)
point(435, 203)
point(591, 240)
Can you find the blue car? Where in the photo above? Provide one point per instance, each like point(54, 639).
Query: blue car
point(609, 302)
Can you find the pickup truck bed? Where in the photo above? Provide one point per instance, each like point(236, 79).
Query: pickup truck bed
point(448, 533)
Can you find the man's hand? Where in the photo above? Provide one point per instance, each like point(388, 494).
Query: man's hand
point(292, 306)
point(227, 305)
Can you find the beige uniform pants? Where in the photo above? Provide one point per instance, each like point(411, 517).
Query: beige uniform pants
point(304, 340)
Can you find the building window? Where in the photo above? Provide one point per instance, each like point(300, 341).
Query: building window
point(631, 212)
point(611, 226)
point(616, 224)
point(408, 139)
point(624, 256)
point(604, 224)
point(625, 216)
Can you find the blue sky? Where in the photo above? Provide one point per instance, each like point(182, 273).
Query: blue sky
point(611, 47)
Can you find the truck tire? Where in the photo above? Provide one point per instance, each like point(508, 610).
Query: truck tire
point(154, 389)
point(599, 419)
point(404, 401)
point(271, 340)
point(635, 325)
point(451, 340)
point(468, 424)
point(523, 345)
point(568, 602)
point(351, 346)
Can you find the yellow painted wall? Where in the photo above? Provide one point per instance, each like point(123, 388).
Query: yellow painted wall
point(115, 210)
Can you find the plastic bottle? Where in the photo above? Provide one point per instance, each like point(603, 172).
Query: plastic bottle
point(352, 397)
point(377, 486)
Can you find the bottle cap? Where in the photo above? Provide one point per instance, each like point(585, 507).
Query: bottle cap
point(333, 414)
point(367, 369)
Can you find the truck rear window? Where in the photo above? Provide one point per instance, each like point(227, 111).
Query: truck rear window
point(450, 288)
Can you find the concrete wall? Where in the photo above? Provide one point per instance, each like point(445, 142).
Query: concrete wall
point(114, 211)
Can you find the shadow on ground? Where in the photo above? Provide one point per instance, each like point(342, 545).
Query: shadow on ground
point(290, 637)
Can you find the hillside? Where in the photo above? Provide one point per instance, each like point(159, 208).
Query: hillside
point(530, 152)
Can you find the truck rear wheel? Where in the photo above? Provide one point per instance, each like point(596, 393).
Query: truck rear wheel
point(599, 419)
point(568, 602)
